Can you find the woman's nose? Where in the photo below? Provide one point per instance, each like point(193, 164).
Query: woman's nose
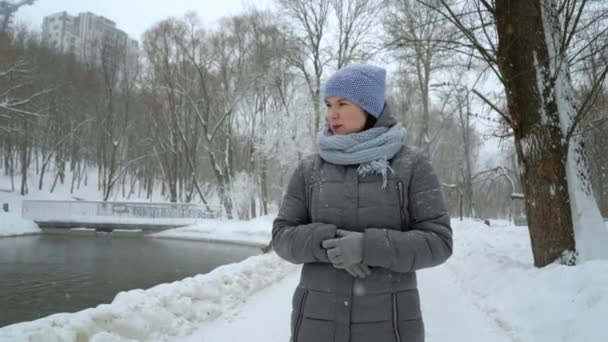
point(332, 114)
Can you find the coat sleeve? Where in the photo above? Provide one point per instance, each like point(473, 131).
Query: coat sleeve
point(428, 241)
point(294, 237)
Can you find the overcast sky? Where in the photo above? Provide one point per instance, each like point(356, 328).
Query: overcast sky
point(136, 16)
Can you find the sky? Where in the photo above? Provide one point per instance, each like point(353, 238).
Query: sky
point(136, 16)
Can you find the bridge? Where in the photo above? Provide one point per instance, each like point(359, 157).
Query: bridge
point(107, 216)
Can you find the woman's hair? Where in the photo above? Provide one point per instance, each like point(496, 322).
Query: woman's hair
point(369, 122)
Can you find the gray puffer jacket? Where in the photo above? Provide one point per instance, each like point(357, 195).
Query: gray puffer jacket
point(406, 228)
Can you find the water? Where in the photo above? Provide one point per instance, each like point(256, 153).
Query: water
point(46, 274)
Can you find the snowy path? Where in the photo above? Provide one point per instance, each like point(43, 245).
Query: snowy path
point(265, 317)
point(448, 312)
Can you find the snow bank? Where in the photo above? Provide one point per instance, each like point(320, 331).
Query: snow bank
point(12, 224)
point(494, 266)
point(162, 312)
point(257, 232)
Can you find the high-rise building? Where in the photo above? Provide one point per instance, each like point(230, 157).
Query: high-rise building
point(88, 37)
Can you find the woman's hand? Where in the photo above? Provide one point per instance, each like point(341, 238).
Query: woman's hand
point(346, 252)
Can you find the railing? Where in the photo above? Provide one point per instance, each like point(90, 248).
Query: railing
point(119, 213)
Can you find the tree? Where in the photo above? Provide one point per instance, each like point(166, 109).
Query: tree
point(312, 49)
point(356, 21)
point(310, 20)
point(7, 10)
point(422, 43)
point(526, 44)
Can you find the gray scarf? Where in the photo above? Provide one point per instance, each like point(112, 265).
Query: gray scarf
point(370, 149)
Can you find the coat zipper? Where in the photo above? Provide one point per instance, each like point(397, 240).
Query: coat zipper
point(401, 209)
point(309, 203)
point(396, 319)
point(300, 317)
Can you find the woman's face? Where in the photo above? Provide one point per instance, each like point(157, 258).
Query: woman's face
point(343, 116)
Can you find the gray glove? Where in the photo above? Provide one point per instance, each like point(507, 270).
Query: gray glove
point(356, 270)
point(346, 250)
point(359, 270)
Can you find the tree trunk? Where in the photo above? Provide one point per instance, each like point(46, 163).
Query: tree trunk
point(468, 170)
point(24, 161)
point(223, 185)
point(549, 178)
point(264, 185)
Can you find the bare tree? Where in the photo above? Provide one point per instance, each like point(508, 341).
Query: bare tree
point(356, 21)
point(7, 10)
point(310, 20)
point(422, 41)
point(595, 126)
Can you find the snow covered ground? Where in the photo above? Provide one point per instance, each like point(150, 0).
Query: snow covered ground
point(257, 232)
point(11, 223)
point(488, 291)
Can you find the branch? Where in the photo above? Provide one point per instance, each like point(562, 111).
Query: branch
point(573, 56)
point(587, 104)
point(18, 111)
point(494, 107)
point(489, 7)
point(572, 32)
point(10, 106)
point(592, 126)
point(221, 121)
point(11, 89)
point(14, 69)
point(453, 186)
point(453, 18)
point(125, 167)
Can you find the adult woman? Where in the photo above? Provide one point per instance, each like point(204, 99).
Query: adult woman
point(362, 216)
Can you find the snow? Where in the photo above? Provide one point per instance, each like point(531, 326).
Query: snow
point(12, 224)
point(257, 232)
point(488, 291)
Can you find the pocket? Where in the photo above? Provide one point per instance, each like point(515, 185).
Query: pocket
point(395, 320)
point(407, 317)
point(376, 331)
point(314, 330)
point(401, 204)
point(298, 302)
point(319, 306)
point(408, 305)
point(371, 308)
point(309, 203)
point(412, 330)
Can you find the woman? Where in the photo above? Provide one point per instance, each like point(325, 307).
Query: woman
point(363, 216)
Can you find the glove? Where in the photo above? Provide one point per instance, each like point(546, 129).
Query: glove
point(359, 270)
point(346, 250)
point(356, 270)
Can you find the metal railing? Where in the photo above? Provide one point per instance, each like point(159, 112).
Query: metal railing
point(165, 214)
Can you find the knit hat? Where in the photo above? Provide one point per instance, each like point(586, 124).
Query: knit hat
point(361, 84)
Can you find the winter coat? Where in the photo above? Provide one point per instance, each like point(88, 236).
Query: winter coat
point(406, 228)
